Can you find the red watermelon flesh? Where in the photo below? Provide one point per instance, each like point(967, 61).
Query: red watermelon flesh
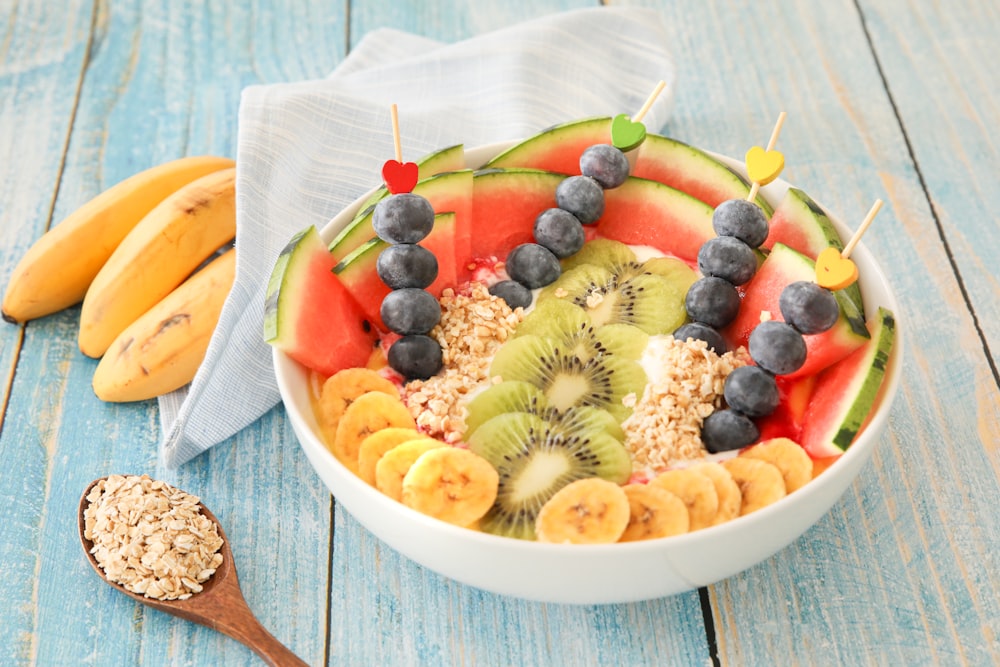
point(786, 420)
point(359, 273)
point(505, 203)
point(846, 392)
point(782, 267)
point(557, 149)
point(690, 170)
point(643, 212)
point(308, 312)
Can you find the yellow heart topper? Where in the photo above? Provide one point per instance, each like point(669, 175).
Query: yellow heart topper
point(834, 268)
point(764, 164)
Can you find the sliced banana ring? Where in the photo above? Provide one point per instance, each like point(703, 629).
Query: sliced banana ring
point(760, 482)
point(587, 511)
point(726, 489)
point(654, 512)
point(451, 484)
point(696, 490)
point(788, 456)
point(395, 463)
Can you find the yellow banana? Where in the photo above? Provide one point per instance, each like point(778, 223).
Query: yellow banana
point(161, 351)
point(730, 498)
point(760, 482)
point(588, 511)
point(696, 490)
point(391, 469)
point(451, 484)
point(789, 457)
point(654, 512)
point(57, 270)
point(161, 251)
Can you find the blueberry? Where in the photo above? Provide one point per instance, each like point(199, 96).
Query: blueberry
point(777, 347)
point(742, 219)
point(712, 301)
point(560, 231)
point(605, 164)
point(406, 265)
point(582, 196)
point(728, 258)
point(415, 357)
point(752, 391)
point(725, 430)
point(410, 311)
point(808, 307)
point(532, 265)
point(699, 331)
point(514, 293)
point(403, 218)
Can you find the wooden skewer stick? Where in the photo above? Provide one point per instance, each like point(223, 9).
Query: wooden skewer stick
point(755, 186)
point(649, 102)
point(395, 133)
point(849, 248)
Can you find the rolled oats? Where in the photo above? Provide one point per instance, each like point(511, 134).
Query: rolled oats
point(150, 537)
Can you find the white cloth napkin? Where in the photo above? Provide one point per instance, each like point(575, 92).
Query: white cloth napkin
point(306, 150)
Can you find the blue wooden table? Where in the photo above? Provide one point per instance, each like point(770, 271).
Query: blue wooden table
point(892, 99)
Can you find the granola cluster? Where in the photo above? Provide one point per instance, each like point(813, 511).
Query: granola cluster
point(471, 330)
point(150, 537)
point(685, 387)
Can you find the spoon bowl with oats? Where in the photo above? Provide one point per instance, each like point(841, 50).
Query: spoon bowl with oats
point(163, 548)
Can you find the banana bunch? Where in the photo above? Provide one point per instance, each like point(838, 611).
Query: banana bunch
point(148, 259)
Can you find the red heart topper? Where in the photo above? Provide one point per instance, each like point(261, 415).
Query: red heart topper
point(399, 176)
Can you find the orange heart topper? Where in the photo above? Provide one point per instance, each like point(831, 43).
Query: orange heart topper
point(628, 133)
point(764, 164)
point(399, 176)
point(834, 268)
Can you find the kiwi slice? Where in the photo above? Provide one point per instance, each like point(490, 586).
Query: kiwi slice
point(676, 271)
point(570, 325)
point(512, 396)
point(606, 253)
point(534, 460)
point(566, 379)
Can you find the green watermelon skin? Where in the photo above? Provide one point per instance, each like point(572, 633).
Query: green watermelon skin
point(644, 212)
point(691, 170)
point(846, 392)
point(505, 203)
point(801, 223)
point(556, 149)
point(308, 312)
point(447, 192)
point(782, 267)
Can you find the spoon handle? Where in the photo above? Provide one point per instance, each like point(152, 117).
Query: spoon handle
point(247, 630)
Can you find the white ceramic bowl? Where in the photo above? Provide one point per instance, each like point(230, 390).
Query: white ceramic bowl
point(612, 573)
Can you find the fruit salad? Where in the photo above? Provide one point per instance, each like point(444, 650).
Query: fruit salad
point(578, 343)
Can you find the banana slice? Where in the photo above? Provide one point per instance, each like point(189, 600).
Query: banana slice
point(395, 463)
point(587, 511)
point(788, 456)
point(368, 413)
point(654, 512)
point(451, 484)
point(340, 390)
point(726, 489)
point(374, 446)
point(696, 490)
point(760, 482)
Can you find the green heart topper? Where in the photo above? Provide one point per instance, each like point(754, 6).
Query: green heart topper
point(626, 134)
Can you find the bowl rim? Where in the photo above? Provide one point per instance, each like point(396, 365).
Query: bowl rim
point(868, 438)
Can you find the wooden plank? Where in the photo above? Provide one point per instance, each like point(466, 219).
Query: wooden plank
point(162, 82)
point(897, 573)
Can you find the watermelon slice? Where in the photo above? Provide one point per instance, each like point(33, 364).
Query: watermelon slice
point(691, 170)
point(359, 274)
point(309, 314)
point(782, 267)
point(846, 392)
point(787, 419)
point(505, 203)
point(447, 192)
point(643, 212)
point(556, 149)
point(800, 223)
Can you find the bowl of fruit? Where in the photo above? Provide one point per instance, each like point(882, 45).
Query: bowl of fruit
point(576, 370)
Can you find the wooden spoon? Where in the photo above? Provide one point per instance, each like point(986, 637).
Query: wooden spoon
point(220, 604)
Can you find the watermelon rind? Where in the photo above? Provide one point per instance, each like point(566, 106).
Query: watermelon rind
point(557, 148)
point(846, 392)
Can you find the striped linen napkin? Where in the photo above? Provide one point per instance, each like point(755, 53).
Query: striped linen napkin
point(306, 150)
